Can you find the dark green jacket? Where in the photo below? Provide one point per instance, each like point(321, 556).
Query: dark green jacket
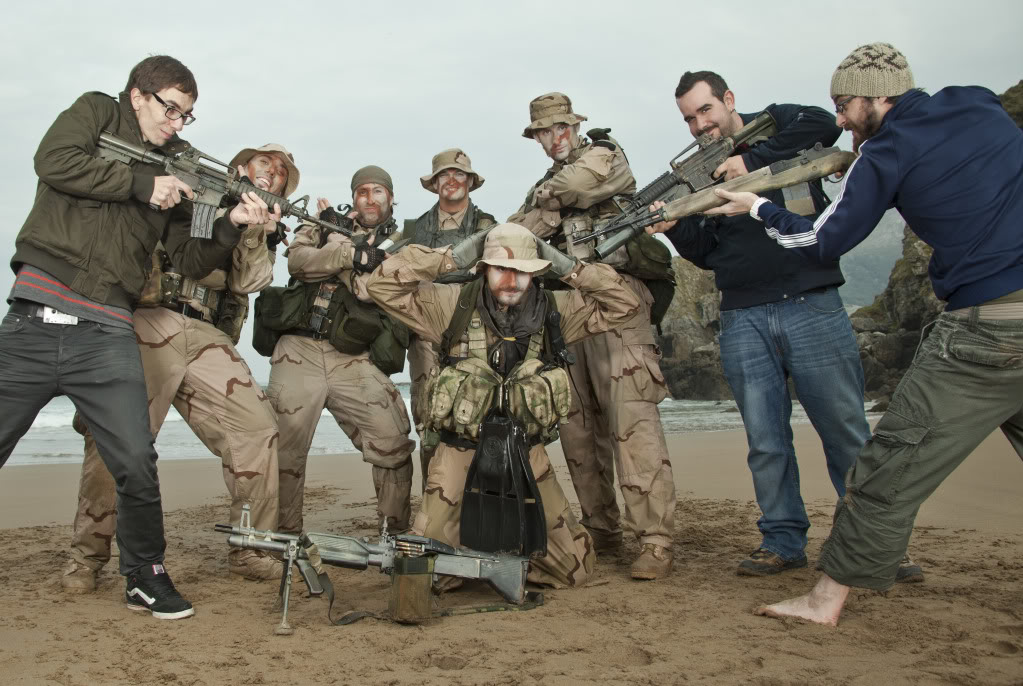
point(425, 231)
point(91, 225)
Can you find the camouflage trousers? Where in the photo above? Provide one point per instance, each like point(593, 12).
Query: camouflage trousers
point(192, 365)
point(421, 359)
point(570, 553)
point(615, 424)
point(309, 375)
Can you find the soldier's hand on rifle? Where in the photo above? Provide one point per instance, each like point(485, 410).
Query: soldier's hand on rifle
point(738, 203)
point(167, 192)
point(469, 249)
point(659, 227)
point(252, 210)
point(561, 264)
point(731, 168)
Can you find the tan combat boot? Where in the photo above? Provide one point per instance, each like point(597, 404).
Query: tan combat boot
point(78, 578)
point(654, 562)
point(253, 565)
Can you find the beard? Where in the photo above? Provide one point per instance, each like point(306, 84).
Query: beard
point(862, 134)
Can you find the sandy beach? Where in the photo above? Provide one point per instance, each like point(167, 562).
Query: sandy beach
point(964, 625)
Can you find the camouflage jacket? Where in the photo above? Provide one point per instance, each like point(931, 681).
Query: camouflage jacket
point(586, 180)
point(598, 299)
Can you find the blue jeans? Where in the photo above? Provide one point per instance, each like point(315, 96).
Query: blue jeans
point(808, 338)
point(98, 367)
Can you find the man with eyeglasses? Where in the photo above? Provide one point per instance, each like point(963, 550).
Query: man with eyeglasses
point(781, 318)
point(80, 260)
point(452, 218)
point(187, 330)
point(952, 165)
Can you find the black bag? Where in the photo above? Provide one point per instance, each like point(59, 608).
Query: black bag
point(276, 310)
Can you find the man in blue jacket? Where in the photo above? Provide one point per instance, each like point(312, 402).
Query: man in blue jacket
point(781, 318)
point(952, 164)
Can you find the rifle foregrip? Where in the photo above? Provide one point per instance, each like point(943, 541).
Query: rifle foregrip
point(654, 190)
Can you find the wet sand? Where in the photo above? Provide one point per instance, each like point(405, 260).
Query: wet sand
point(963, 625)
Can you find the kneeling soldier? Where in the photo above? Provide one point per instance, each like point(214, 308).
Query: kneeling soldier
point(503, 343)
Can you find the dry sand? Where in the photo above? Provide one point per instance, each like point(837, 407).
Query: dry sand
point(964, 625)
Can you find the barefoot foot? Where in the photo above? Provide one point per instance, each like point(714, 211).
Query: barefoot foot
point(822, 605)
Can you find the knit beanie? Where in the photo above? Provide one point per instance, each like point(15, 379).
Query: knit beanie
point(872, 71)
point(372, 174)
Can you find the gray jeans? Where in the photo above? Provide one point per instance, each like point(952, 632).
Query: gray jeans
point(99, 369)
point(965, 381)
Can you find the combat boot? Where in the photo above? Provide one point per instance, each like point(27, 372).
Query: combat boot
point(605, 543)
point(78, 578)
point(253, 566)
point(654, 562)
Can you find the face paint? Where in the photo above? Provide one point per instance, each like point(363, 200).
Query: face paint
point(558, 140)
point(509, 286)
point(267, 172)
point(372, 203)
point(451, 185)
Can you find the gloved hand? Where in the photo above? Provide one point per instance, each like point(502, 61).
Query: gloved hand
point(469, 249)
point(328, 214)
point(374, 256)
point(561, 264)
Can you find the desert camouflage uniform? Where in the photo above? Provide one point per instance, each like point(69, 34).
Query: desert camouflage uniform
point(598, 302)
point(190, 363)
point(308, 375)
point(421, 355)
point(617, 381)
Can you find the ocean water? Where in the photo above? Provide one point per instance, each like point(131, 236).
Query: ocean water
point(51, 440)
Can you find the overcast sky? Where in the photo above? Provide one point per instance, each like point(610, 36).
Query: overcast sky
point(343, 84)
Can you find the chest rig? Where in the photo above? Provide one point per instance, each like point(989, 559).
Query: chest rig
point(460, 393)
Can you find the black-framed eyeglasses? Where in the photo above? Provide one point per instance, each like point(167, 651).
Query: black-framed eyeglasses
point(841, 104)
point(173, 113)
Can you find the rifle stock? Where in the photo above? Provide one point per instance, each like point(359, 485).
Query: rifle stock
point(809, 166)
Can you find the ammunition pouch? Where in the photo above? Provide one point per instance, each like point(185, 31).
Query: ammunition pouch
point(460, 395)
point(540, 397)
point(650, 262)
point(279, 309)
point(355, 324)
point(387, 351)
point(581, 225)
point(234, 309)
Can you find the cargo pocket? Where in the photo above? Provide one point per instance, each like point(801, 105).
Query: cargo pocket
point(974, 346)
point(644, 380)
point(893, 448)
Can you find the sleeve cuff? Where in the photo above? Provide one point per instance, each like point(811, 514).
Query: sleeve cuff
point(755, 210)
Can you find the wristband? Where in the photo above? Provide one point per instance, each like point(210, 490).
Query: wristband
point(753, 211)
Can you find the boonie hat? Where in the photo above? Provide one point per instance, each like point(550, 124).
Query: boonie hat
point(514, 247)
point(550, 109)
point(452, 158)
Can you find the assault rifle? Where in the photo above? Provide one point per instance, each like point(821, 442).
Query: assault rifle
point(687, 176)
point(402, 554)
point(808, 166)
point(209, 183)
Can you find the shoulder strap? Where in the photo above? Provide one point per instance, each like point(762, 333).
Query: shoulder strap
point(467, 298)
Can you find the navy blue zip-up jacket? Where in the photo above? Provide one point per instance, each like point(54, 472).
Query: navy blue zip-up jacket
point(952, 165)
point(749, 267)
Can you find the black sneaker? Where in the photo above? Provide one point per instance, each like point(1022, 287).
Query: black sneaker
point(150, 589)
point(762, 562)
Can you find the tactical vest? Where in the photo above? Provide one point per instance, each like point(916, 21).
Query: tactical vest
point(458, 395)
point(167, 287)
point(426, 231)
point(644, 257)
